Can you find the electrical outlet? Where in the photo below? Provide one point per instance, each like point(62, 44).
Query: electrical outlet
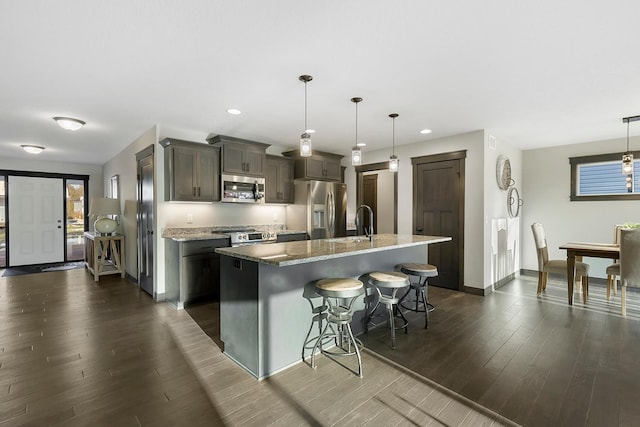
point(189, 218)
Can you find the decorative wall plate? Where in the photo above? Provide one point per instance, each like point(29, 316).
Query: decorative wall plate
point(514, 202)
point(503, 173)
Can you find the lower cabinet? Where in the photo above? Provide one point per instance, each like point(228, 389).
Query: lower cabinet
point(292, 237)
point(192, 271)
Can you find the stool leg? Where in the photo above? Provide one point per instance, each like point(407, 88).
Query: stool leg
point(319, 342)
point(355, 344)
point(393, 327)
point(426, 308)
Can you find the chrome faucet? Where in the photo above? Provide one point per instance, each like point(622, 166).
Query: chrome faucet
point(368, 233)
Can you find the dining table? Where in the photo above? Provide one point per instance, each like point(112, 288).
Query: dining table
point(579, 250)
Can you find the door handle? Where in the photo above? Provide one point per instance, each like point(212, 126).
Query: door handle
point(419, 230)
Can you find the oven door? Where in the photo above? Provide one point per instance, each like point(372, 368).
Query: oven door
point(242, 189)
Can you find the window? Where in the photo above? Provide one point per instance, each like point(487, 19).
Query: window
point(600, 178)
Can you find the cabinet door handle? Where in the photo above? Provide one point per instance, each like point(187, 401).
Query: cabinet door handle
point(194, 191)
point(198, 191)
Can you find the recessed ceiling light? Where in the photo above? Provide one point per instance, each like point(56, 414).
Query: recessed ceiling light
point(69, 123)
point(361, 144)
point(32, 149)
point(234, 111)
point(425, 131)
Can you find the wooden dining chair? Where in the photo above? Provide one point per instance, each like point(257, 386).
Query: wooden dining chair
point(556, 266)
point(613, 270)
point(629, 263)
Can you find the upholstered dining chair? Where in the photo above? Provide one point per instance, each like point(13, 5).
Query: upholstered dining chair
point(629, 263)
point(556, 266)
point(613, 270)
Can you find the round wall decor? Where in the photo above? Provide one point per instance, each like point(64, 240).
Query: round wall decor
point(503, 173)
point(514, 202)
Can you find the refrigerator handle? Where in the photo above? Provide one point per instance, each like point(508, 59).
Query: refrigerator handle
point(332, 213)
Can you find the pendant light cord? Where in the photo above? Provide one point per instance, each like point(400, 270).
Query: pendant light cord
point(627, 136)
point(305, 107)
point(393, 147)
point(356, 123)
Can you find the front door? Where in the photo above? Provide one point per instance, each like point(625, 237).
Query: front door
point(145, 219)
point(36, 220)
point(438, 200)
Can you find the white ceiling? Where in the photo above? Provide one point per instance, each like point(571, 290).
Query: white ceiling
point(534, 74)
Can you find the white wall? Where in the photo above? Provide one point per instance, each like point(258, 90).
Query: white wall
point(500, 264)
point(546, 191)
point(124, 165)
point(474, 239)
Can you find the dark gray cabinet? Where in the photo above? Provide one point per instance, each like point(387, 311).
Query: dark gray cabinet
point(192, 270)
point(192, 171)
point(241, 156)
point(279, 180)
point(292, 237)
point(320, 166)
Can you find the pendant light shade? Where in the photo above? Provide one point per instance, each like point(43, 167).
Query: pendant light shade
point(627, 157)
point(393, 159)
point(356, 151)
point(305, 138)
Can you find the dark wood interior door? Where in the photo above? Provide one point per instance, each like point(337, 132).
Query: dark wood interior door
point(438, 211)
point(370, 198)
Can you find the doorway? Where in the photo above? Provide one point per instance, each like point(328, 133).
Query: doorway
point(374, 179)
point(438, 203)
point(145, 220)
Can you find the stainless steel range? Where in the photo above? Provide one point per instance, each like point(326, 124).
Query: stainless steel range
point(252, 237)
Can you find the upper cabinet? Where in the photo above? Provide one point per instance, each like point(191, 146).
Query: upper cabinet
point(320, 166)
point(191, 171)
point(240, 156)
point(279, 180)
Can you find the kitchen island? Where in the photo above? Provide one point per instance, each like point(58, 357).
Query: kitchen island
point(268, 306)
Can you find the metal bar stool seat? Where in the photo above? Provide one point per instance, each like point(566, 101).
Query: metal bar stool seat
point(393, 281)
point(422, 272)
point(339, 294)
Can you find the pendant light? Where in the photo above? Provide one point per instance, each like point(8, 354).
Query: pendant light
point(627, 157)
point(305, 138)
point(356, 151)
point(393, 160)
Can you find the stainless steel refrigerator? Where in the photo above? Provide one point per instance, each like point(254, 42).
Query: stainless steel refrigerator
point(320, 208)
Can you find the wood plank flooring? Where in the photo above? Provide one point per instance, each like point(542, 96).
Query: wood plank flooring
point(74, 352)
point(536, 361)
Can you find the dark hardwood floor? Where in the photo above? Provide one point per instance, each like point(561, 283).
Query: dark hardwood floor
point(75, 353)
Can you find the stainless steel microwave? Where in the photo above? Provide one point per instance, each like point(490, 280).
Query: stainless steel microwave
point(242, 189)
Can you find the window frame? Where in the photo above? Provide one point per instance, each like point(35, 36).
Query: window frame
point(599, 158)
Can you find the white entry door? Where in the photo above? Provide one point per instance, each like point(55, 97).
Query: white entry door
point(36, 223)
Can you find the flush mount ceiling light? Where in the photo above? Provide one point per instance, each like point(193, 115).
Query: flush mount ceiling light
point(393, 160)
point(69, 123)
point(305, 138)
point(425, 131)
point(356, 152)
point(32, 149)
point(234, 111)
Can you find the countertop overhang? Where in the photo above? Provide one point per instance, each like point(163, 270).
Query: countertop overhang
point(293, 253)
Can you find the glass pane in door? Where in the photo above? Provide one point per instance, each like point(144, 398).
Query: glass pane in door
point(3, 216)
point(75, 219)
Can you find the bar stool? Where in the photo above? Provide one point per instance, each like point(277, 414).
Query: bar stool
point(422, 272)
point(393, 281)
point(339, 294)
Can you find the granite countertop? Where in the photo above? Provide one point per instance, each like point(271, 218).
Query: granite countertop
point(292, 253)
point(185, 234)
